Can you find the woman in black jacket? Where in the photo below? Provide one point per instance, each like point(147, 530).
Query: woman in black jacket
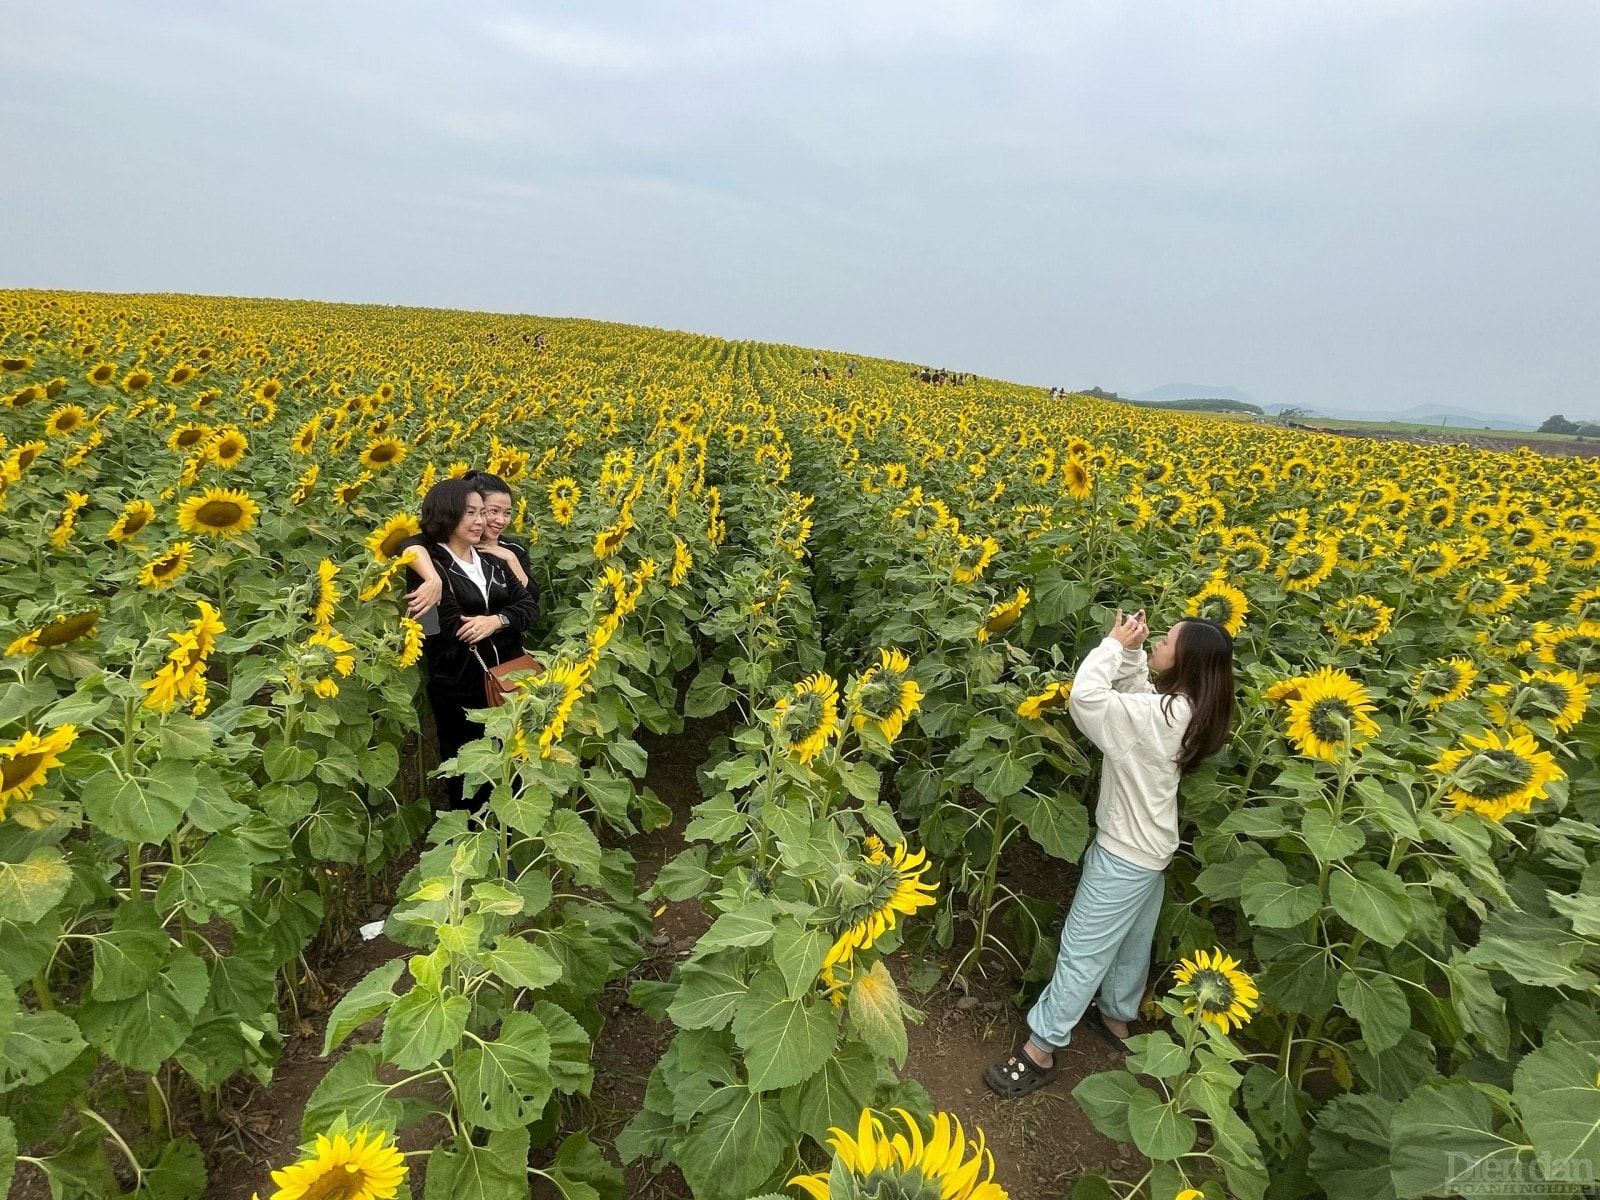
point(483, 608)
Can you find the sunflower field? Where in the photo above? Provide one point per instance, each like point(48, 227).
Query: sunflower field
point(1380, 951)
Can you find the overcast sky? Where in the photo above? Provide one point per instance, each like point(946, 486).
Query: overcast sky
point(1362, 203)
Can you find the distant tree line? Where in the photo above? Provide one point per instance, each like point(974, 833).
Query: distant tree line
point(1559, 424)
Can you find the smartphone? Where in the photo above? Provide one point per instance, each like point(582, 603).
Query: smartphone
point(430, 621)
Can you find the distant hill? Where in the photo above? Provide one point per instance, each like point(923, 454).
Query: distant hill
point(1425, 414)
point(1197, 391)
point(1197, 404)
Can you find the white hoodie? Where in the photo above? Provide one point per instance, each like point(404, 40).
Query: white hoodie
point(1115, 704)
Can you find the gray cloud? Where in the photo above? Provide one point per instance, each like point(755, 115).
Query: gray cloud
point(1364, 204)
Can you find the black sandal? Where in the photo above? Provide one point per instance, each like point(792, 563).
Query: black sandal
point(1017, 1074)
point(1096, 1021)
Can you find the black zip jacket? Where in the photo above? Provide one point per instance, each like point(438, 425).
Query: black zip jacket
point(451, 665)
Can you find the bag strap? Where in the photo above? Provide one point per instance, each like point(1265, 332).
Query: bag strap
point(479, 657)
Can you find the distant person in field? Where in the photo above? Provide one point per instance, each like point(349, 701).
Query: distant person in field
point(1152, 734)
point(483, 609)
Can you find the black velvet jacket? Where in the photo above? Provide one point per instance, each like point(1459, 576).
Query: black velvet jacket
point(451, 666)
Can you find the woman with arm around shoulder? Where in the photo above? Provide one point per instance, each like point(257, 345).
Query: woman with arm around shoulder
point(497, 509)
point(483, 612)
point(1151, 734)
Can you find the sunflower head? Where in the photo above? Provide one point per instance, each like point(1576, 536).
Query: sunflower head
point(227, 448)
point(1053, 695)
point(907, 1165)
point(1221, 602)
point(384, 541)
point(1445, 680)
point(218, 512)
point(1497, 775)
point(25, 762)
point(1212, 985)
point(1004, 615)
point(384, 452)
point(1560, 697)
point(1330, 716)
point(1358, 620)
point(354, 1166)
point(807, 719)
point(886, 695)
point(64, 419)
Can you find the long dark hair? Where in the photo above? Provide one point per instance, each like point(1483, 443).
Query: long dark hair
point(487, 484)
point(444, 506)
point(1202, 670)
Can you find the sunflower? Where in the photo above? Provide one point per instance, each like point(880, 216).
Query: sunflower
point(62, 533)
point(385, 452)
point(1003, 616)
point(165, 567)
point(327, 593)
point(363, 1167)
point(190, 437)
point(137, 380)
point(564, 496)
point(1221, 602)
point(1075, 480)
point(1359, 620)
point(305, 438)
point(1497, 777)
point(609, 540)
point(1576, 649)
point(1445, 680)
point(1330, 715)
point(1433, 560)
point(1213, 985)
point(682, 561)
point(1558, 696)
point(410, 642)
point(65, 628)
point(1054, 695)
point(384, 541)
point(180, 375)
point(1306, 564)
point(807, 720)
point(893, 885)
point(552, 696)
point(333, 655)
point(1488, 592)
point(302, 488)
point(183, 675)
point(227, 448)
point(268, 389)
point(218, 512)
point(875, 1165)
point(1530, 570)
point(1586, 606)
point(63, 419)
point(886, 695)
point(25, 762)
point(102, 373)
point(136, 514)
point(344, 493)
point(974, 557)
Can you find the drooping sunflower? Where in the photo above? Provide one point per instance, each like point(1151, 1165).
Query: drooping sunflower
point(1221, 602)
point(1284, 691)
point(1358, 620)
point(1305, 563)
point(807, 719)
point(218, 512)
point(22, 456)
point(165, 567)
point(876, 1166)
point(330, 654)
point(1445, 681)
point(68, 627)
point(344, 493)
point(62, 533)
point(1488, 592)
point(303, 487)
point(384, 541)
point(1560, 697)
point(1572, 648)
point(609, 540)
point(1004, 615)
point(322, 609)
point(384, 452)
point(1330, 715)
point(887, 885)
point(64, 419)
point(682, 562)
point(552, 696)
point(359, 1167)
point(227, 449)
point(974, 557)
point(25, 762)
point(135, 515)
point(1585, 606)
point(183, 675)
point(1053, 695)
point(886, 695)
point(410, 642)
point(1497, 776)
point(1212, 985)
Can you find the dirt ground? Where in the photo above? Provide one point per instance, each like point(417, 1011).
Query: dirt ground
point(1041, 1143)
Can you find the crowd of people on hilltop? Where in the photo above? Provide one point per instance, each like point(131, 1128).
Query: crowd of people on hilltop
point(940, 377)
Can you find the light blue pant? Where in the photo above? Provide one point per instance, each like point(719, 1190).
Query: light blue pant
point(1106, 944)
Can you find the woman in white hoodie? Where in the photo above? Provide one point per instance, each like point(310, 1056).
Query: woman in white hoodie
point(1151, 734)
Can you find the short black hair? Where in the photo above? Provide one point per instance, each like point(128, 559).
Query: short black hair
point(444, 506)
point(487, 484)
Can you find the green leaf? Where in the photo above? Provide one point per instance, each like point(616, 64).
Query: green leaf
point(1556, 1093)
point(1055, 598)
point(1272, 901)
point(1481, 1009)
point(185, 739)
point(525, 810)
point(219, 876)
point(31, 888)
point(1350, 1148)
point(179, 1173)
point(8, 1151)
point(1057, 821)
point(352, 1090)
point(1157, 1055)
point(286, 763)
point(497, 1170)
point(784, 1041)
point(521, 964)
point(707, 997)
point(369, 998)
point(580, 1169)
point(1378, 1003)
point(861, 779)
point(39, 1045)
point(1443, 1139)
point(129, 955)
point(569, 1048)
point(737, 1144)
point(379, 764)
point(138, 810)
point(573, 843)
point(875, 1016)
point(799, 954)
point(708, 695)
point(685, 877)
point(422, 1025)
point(835, 1095)
point(1374, 901)
point(1106, 1098)
point(1002, 770)
point(747, 926)
point(145, 1030)
point(1535, 950)
point(505, 1084)
point(1328, 840)
point(1160, 1129)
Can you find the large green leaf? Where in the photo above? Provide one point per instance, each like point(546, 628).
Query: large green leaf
point(37, 1046)
point(1106, 1098)
point(569, 1048)
point(1555, 1091)
point(1329, 840)
point(1481, 1009)
point(1272, 901)
point(875, 1016)
point(1532, 949)
point(145, 1030)
point(219, 876)
point(138, 809)
point(497, 1170)
point(422, 1025)
point(1377, 1002)
point(505, 1084)
point(522, 964)
point(748, 926)
point(784, 1040)
point(835, 1095)
point(1350, 1148)
point(573, 843)
point(351, 1089)
point(1160, 1129)
point(738, 1143)
point(1443, 1139)
point(1374, 901)
point(31, 888)
point(707, 997)
point(581, 1172)
point(370, 997)
point(1057, 821)
point(799, 954)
